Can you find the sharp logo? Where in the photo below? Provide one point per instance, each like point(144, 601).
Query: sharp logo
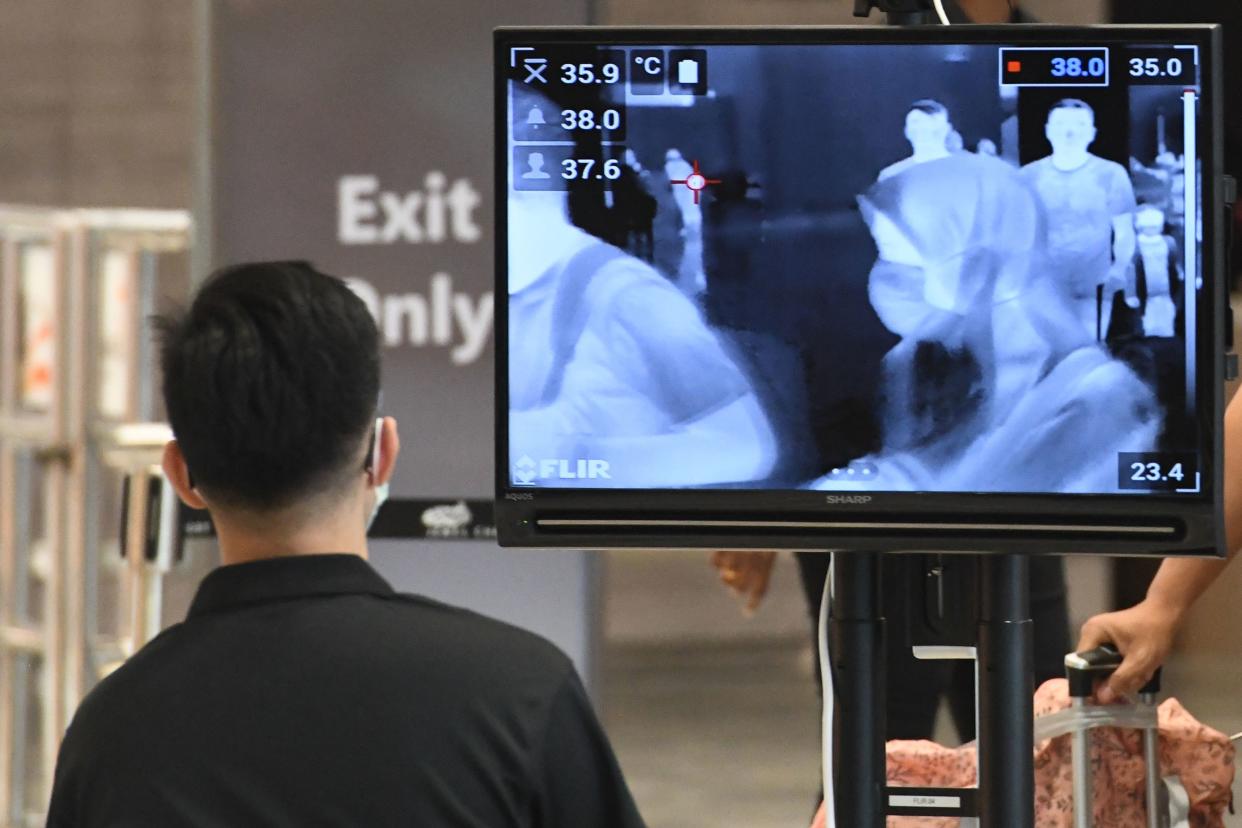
point(847, 500)
point(528, 472)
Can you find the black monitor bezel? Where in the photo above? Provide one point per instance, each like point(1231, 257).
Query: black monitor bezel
point(518, 507)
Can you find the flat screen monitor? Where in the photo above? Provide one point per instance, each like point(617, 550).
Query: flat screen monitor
point(942, 288)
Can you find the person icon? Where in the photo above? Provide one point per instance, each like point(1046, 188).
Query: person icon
point(928, 129)
point(1090, 204)
point(536, 171)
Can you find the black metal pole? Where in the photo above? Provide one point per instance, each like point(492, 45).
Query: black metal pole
point(858, 660)
point(1006, 686)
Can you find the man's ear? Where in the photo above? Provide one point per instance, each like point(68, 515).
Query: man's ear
point(389, 448)
point(178, 474)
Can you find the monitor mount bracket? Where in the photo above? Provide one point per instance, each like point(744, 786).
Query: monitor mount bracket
point(900, 12)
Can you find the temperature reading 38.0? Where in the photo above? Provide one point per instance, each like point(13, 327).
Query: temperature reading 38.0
point(1076, 67)
point(576, 120)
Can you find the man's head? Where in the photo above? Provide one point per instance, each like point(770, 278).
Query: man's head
point(1071, 126)
point(271, 381)
point(927, 126)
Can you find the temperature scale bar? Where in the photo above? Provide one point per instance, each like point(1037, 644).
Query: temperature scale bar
point(1190, 243)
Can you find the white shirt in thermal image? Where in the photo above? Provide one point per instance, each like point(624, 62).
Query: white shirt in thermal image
point(609, 361)
point(1080, 206)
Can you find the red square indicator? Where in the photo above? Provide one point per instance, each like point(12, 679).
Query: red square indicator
point(1014, 67)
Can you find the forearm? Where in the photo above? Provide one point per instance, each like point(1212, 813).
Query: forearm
point(1124, 243)
point(1181, 581)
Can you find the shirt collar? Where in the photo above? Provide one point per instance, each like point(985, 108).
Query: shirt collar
point(286, 578)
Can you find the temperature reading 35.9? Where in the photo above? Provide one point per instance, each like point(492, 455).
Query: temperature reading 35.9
point(573, 74)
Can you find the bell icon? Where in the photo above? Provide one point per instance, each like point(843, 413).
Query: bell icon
point(535, 118)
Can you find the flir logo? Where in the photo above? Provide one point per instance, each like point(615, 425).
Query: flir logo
point(530, 472)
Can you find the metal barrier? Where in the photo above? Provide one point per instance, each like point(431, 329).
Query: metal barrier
point(77, 371)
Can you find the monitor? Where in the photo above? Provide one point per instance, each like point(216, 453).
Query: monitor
point(938, 288)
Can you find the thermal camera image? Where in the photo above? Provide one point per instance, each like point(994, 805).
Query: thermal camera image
point(932, 268)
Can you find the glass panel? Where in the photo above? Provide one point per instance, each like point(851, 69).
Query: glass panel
point(110, 584)
point(107, 584)
point(36, 311)
point(32, 547)
point(29, 788)
point(119, 306)
point(170, 287)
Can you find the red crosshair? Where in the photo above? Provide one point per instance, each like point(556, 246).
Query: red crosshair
point(696, 182)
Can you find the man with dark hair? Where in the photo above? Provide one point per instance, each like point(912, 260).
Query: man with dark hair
point(301, 689)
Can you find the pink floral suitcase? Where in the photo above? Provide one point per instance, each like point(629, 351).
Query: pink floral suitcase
point(1196, 766)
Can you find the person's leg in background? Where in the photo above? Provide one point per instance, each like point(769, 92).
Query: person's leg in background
point(1050, 614)
point(914, 696)
point(914, 699)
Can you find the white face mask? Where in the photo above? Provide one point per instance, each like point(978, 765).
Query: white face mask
point(381, 491)
point(381, 496)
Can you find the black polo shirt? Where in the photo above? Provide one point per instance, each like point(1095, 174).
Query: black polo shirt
point(306, 692)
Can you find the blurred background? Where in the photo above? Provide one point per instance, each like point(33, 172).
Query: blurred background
point(138, 149)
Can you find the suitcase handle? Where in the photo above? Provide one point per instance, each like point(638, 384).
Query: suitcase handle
point(1082, 670)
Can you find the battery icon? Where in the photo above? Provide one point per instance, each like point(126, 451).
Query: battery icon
point(688, 72)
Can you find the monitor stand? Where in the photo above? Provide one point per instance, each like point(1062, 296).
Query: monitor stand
point(1005, 651)
point(900, 12)
point(1006, 785)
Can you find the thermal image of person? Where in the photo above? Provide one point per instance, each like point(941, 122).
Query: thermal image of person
point(690, 276)
point(928, 129)
point(1090, 206)
point(610, 362)
point(1158, 272)
point(993, 386)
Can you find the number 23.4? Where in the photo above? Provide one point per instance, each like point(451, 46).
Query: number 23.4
point(1151, 472)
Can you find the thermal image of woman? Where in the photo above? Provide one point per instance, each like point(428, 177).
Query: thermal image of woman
point(993, 386)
